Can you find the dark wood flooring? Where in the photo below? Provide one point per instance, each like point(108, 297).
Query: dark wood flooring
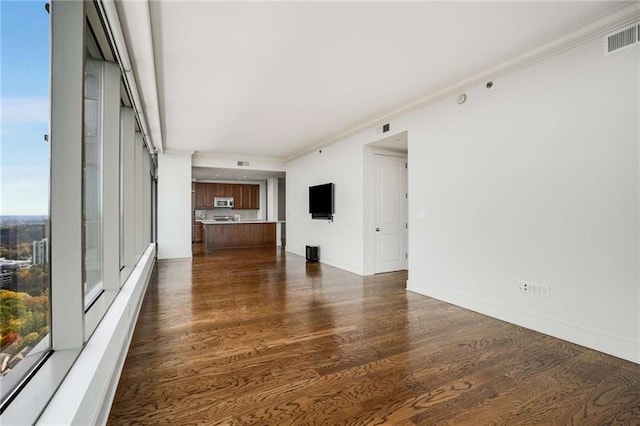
point(259, 337)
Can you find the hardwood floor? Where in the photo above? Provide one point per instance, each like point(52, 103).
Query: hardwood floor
point(259, 337)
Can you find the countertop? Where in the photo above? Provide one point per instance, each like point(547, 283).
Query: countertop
point(236, 222)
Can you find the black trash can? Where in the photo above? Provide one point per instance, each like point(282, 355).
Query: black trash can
point(313, 253)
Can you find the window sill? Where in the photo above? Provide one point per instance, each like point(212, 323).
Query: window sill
point(33, 398)
point(86, 394)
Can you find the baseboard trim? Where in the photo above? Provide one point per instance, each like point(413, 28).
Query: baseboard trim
point(176, 255)
point(612, 345)
point(329, 261)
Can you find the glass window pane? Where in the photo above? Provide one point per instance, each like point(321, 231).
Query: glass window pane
point(24, 192)
point(92, 215)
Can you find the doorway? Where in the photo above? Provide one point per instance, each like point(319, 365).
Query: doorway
point(386, 205)
point(390, 179)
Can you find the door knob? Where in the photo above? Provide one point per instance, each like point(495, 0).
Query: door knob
point(377, 229)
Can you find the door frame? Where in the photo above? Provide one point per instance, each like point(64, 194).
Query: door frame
point(369, 190)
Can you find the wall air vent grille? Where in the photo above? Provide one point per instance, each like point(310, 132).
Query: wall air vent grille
point(622, 39)
point(243, 163)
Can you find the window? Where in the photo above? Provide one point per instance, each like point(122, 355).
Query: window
point(63, 257)
point(24, 185)
point(92, 206)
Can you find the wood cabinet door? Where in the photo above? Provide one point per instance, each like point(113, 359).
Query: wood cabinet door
point(217, 190)
point(255, 197)
point(238, 201)
point(269, 234)
point(201, 199)
point(198, 231)
point(193, 206)
point(246, 196)
point(210, 194)
point(250, 197)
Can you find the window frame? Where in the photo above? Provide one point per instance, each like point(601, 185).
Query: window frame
point(67, 44)
point(71, 323)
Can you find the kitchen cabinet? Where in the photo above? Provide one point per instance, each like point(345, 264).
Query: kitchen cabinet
point(250, 197)
point(193, 203)
point(197, 232)
point(239, 235)
point(217, 190)
point(209, 194)
point(246, 196)
point(236, 193)
point(201, 196)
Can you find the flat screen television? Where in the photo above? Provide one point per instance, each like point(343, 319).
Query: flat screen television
point(321, 201)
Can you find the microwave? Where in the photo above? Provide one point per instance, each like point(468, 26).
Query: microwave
point(223, 202)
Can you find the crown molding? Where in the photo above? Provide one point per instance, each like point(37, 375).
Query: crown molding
point(597, 27)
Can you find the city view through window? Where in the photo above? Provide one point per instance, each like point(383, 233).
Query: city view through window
point(24, 185)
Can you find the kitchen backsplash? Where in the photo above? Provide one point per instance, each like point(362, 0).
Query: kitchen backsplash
point(210, 214)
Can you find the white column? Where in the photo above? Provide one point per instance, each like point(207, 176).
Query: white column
point(272, 204)
point(174, 206)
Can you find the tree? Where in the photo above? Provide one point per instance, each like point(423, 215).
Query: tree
point(33, 280)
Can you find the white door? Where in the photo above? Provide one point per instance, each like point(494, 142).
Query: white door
point(390, 174)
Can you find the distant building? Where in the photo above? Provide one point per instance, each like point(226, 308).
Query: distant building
point(40, 252)
point(6, 280)
point(7, 269)
point(9, 238)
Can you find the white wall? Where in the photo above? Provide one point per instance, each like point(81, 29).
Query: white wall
point(536, 179)
point(174, 206)
point(340, 241)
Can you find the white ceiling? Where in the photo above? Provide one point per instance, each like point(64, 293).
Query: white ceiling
point(216, 173)
point(397, 143)
point(262, 79)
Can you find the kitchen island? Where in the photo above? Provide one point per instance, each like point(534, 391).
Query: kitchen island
point(239, 234)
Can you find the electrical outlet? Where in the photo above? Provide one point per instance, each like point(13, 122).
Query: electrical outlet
point(544, 290)
point(523, 286)
point(541, 290)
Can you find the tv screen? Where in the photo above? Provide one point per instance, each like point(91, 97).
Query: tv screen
point(321, 201)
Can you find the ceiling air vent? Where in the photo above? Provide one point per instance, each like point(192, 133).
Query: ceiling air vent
point(243, 163)
point(623, 38)
point(383, 129)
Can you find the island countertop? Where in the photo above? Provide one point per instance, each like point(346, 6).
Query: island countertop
point(255, 233)
point(236, 222)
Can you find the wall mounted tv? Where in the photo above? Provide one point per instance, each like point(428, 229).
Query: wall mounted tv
point(321, 201)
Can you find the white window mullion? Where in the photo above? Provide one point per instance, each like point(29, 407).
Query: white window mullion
point(67, 124)
point(127, 125)
point(147, 199)
point(139, 157)
point(111, 177)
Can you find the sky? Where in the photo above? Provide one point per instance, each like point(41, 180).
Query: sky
point(24, 108)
